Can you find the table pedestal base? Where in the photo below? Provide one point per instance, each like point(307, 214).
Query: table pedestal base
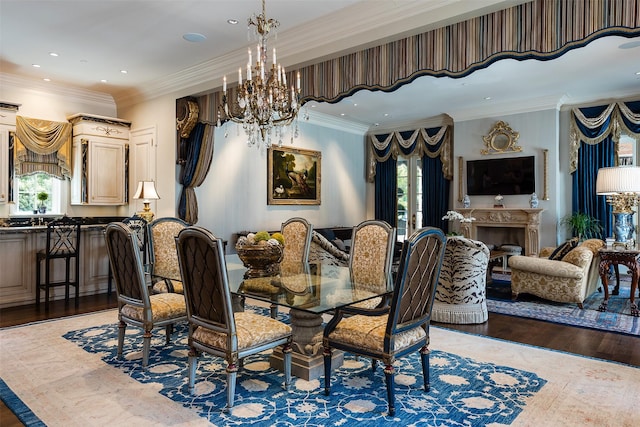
point(307, 361)
point(303, 366)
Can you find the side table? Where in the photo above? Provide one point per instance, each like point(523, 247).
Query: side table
point(630, 258)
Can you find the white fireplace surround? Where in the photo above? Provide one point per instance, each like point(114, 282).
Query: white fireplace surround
point(523, 218)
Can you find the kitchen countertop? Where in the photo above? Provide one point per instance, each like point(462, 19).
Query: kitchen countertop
point(28, 224)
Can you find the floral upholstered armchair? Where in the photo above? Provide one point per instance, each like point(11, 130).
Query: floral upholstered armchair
point(561, 277)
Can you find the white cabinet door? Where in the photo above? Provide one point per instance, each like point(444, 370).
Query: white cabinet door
point(4, 163)
point(106, 173)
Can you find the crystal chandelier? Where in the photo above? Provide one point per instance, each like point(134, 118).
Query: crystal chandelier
point(264, 102)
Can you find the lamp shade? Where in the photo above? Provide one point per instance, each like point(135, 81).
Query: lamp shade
point(147, 191)
point(616, 180)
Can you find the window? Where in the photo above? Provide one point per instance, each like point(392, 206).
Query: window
point(27, 188)
point(409, 193)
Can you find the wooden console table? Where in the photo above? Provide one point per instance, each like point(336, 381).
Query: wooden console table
point(630, 258)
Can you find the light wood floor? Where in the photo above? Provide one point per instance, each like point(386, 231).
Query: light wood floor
point(586, 342)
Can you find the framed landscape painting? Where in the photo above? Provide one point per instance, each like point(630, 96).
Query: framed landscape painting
point(293, 176)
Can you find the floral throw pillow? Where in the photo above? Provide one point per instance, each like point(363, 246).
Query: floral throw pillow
point(563, 249)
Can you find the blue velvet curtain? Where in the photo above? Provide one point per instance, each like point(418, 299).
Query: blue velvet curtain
point(434, 147)
point(594, 132)
point(386, 202)
point(434, 203)
point(633, 108)
point(590, 159)
point(195, 169)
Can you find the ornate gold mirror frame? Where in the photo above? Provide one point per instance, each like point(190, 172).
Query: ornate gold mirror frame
point(501, 139)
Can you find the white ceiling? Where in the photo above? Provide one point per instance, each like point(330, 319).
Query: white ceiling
point(95, 39)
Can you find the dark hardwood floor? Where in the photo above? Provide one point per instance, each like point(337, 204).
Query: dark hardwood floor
point(602, 345)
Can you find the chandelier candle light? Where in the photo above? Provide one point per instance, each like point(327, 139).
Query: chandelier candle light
point(621, 186)
point(264, 101)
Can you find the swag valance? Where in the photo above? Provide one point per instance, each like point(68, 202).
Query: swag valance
point(592, 125)
point(421, 142)
point(42, 146)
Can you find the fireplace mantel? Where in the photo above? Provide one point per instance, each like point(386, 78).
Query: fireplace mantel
point(526, 218)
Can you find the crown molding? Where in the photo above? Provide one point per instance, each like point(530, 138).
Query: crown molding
point(327, 121)
point(41, 88)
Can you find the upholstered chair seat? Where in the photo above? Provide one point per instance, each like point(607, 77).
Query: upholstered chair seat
point(251, 329)
point(461, 292)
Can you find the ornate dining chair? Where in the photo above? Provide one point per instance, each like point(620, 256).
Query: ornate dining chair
point(371, 256)
point(297, 234)
point(214, 328)
point(164, 268)
point(135, 306)
point(391, 332)
point(139, 225)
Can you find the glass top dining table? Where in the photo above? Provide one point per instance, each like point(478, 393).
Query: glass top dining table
point(314, 287)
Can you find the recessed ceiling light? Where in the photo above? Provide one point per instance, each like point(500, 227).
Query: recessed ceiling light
point(35, 65)
point(123, 71)
point(46, 79)
point(53, 54)
point(232, 21)
point(355, 105)
point(487, 98)
point(386, 114)
point(638, 73)
point(103, 80)
point(630, 45)
point(376, 124)
point(194, 37)
point(342, 114)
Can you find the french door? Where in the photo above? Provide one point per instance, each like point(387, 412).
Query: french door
point(409, 194)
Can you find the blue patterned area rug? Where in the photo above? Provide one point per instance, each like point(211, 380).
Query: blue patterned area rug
point(463, 391)
point(617, 318)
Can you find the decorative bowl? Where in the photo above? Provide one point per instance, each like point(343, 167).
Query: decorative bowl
point(261, 260)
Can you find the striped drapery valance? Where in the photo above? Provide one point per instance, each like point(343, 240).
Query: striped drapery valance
point(432, 142)
point(42, 146)
point(612, 121)
point(541, 29)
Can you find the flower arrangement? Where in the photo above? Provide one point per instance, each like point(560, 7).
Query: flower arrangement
point(457, 216)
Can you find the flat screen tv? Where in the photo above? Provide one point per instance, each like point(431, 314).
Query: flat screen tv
point(511, 175)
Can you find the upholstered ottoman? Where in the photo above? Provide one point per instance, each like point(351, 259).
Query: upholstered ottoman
point(461, 292)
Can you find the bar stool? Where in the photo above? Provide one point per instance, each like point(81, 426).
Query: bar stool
point(63, 243)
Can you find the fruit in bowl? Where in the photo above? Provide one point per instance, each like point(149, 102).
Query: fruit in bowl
point(261, 253)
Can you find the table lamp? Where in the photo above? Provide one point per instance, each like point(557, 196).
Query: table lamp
point(147, 192)
point(621, 186)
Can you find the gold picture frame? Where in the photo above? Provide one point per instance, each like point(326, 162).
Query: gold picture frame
point(293, 176)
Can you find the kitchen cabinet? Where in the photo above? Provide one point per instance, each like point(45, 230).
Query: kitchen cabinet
point(100, 160)
point(7, 128)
